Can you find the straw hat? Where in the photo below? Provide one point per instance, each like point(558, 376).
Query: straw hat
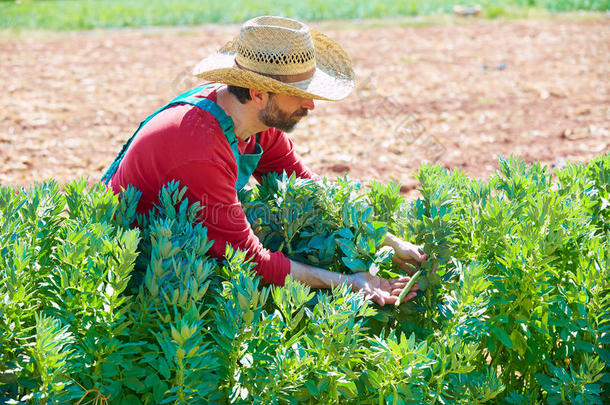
point(283, 56)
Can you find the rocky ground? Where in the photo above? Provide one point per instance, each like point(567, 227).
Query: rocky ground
point(457, 94)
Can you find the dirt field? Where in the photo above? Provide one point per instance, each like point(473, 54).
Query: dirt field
point(460, 95)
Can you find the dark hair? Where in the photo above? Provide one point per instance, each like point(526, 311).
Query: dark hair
point(242, 94)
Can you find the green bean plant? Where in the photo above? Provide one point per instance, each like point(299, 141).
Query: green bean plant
point(100, 303)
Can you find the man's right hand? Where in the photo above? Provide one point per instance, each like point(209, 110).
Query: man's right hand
point(380, 290)
point(376, 289)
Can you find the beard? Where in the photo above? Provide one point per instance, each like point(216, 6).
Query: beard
point(273, 116)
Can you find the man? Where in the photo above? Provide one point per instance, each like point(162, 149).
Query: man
point(213, 138)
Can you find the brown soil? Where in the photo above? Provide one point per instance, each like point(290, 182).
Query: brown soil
point(459, 95)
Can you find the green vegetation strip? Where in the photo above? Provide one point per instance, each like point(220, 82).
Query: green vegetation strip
point(517, 311)
point(82, 15)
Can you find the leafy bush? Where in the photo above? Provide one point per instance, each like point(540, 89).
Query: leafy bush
point(517, 313)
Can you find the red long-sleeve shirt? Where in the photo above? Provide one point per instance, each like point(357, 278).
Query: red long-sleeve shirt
point(186, 143)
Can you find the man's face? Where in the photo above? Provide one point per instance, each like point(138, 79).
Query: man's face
point(284, 112)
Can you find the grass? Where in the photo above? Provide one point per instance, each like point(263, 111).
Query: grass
point(90, 14)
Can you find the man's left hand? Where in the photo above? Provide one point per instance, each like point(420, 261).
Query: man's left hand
point(406, 254)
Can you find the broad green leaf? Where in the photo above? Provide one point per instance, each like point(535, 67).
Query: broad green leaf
point(604, 354)
point(354, 264)
point(502, 336)
point(584, 346)
point(312, 387)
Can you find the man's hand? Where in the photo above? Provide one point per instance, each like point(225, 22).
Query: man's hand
point(377, 289)
point(406, 254)
point(380, 290)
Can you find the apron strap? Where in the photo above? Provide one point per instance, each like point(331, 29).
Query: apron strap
point(225, 122)
point(246, 164)
point(186, 98)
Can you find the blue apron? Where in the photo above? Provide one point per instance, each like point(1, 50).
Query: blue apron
point(246, 164)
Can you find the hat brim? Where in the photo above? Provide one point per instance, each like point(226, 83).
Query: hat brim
point(332, 80)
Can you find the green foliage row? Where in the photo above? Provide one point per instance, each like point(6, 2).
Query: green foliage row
point(524, 264)
point(519, 312)
point(81, 15)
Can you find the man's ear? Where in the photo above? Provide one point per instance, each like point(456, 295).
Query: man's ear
point(259, 97)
